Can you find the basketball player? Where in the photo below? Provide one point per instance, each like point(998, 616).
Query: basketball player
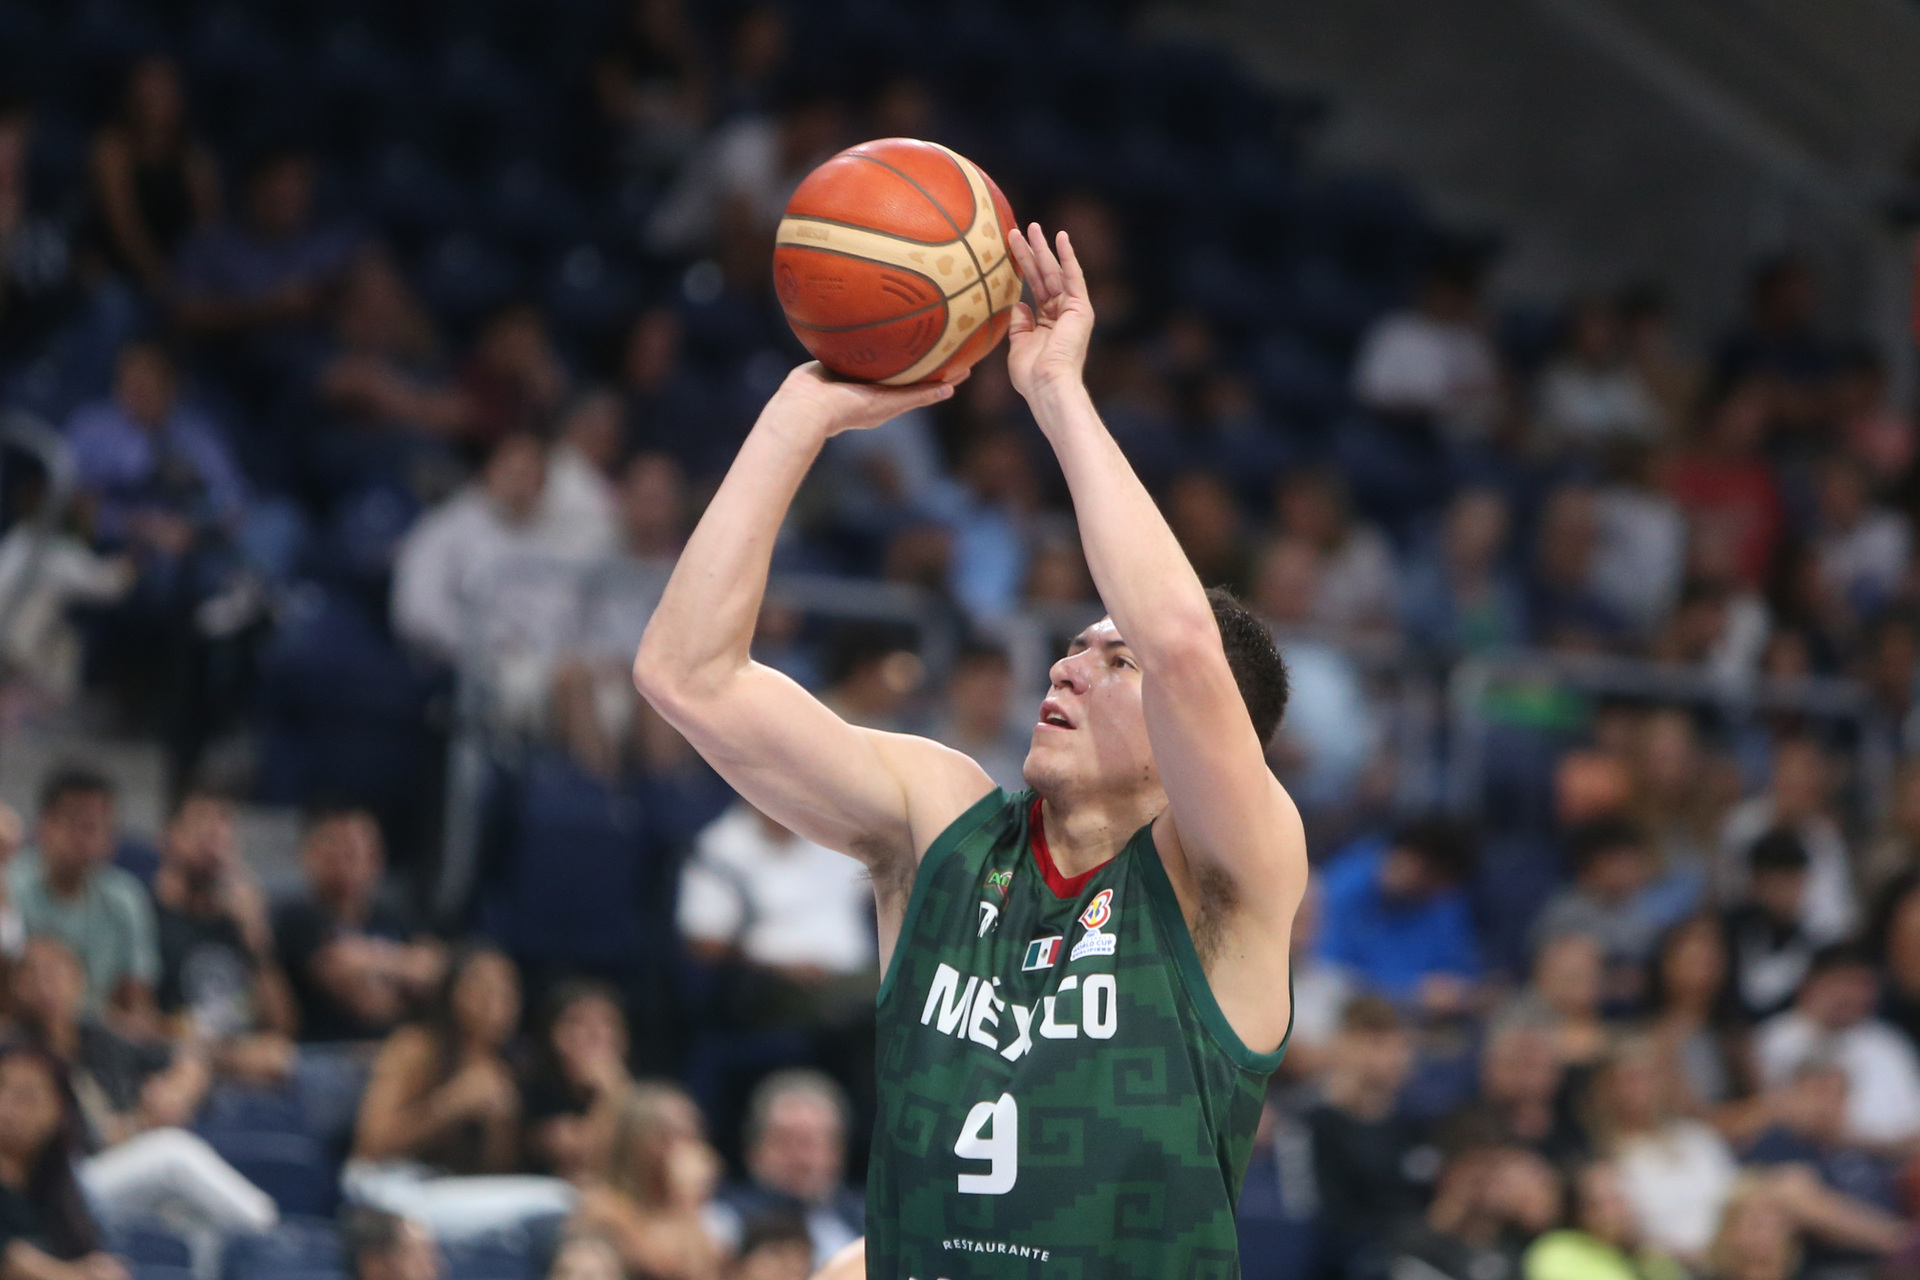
point(1086, 983)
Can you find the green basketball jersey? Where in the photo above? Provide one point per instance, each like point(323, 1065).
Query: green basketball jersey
point(1060, 1097)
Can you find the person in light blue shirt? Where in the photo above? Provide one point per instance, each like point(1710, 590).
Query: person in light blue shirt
point(1396, 916)
point(67, 888)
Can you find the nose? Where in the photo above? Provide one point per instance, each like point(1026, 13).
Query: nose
point(1068, 672)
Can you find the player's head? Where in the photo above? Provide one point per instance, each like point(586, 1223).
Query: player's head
point(1091, 737)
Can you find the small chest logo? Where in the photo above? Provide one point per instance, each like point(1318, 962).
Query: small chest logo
point(1000, 880)
point(989, 918)
point(1095, 942)
point(1042, 953)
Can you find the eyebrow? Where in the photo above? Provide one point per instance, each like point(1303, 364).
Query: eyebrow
point(1079, 643)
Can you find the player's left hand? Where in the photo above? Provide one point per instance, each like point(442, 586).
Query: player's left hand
point(1047, 344)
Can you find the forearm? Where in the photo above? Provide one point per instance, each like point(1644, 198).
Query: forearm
point(1143, 577)
point(702, 631)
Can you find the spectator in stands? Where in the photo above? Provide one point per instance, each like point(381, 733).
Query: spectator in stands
point(872, 675)
point(1358, 585)
point(1564, 605)
point(1603, 1242)
point(1894, 849)
point(1679, 798)
point(136, 1100)
point(1693, 1016)
point(49, 1232)
point(1372, 1163)
point(161, 479)
point(1677, 1173)
point(1205, 518)
point(271, 273)
point(1564, 997)
point(40, 281)
point(1895, 942)
point(1873, 430)
point(1809, 1129)
point(1397, 917)
point(1613, 869)
point(792, 918)
point(386, 370)
point(384, 1246)
point(1524, 1083)
point(1590, 395)
point(1461, 599)
point(154, 183)
point(1332, 732)
point(1489, 1200)
point(586, 1256)
point(1767, 941)
point(796, 1154)
point(1672, 375)
point(1758, 1238)
point(354, 971)
point(1833, 1018)
point(1860, 550)
point(1434, 363)
point(1780, 340)
point(1640, 552)
point(990, 528)
point(579, 509)
point(1800, 799)
point(68, 887)
point(653, 85)
point(440, 1123)
point(579, 1079)
point(655, 1198)
point(1725, 485)
point(218, 972)
point(445, 561)
point(976, 719)
point(514, 382)
point(13, 930)
point(1321, 993)
point(662, 397)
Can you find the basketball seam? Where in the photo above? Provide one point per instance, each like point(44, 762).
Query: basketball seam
point(855, 226)
point(958, 230)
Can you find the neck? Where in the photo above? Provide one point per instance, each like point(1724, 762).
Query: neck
point(14, 1171)
point(1082, 834)
point(65, 880)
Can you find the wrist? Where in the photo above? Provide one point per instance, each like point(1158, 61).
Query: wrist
point(1057, 399)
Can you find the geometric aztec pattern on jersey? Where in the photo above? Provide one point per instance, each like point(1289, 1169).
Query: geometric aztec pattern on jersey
point(1043, 1116)
point(932, 292)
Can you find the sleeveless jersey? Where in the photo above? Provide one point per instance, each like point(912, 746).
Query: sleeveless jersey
point(1060, 1096)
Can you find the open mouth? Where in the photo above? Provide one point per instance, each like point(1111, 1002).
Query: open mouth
point(1052, 717)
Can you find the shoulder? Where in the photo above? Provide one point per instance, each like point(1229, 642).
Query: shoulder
point(407, 1053)
point(941, 785)
point(123, 890)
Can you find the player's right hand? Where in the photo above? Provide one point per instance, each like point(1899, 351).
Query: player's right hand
point(832, 405)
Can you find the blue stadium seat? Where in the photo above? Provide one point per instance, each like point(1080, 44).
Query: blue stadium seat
point(292, 1168)
point(502, 1257)
point(588, 294)
point(576, 858)
point(298, 1249)
point(464, 275)
point(149, 1244)
point(330, 1083)
point(234, 1108)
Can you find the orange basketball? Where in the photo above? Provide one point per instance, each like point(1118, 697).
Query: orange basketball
point(891, 262)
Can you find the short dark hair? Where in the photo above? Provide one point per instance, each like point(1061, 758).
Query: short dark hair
point(1254, 659)
point(69, 780)
point(1369, 1014)
point(366, 1231)
point(1837, 955)
point(1780, 849)
point(1445, 844)
point(1590, 841)
point(765, 1230)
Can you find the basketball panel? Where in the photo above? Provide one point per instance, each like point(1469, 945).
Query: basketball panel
point(822, 289)
point(933, 169)
point(853, 190)
point(876, 352)
point(976, 347)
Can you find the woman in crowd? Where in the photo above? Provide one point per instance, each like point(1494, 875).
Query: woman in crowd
point(1692, 1018)
point(134, 1101)
point(153, 183)
point(45, 1230)
point(579, 1080)
point(1895, 939)
point(1564, 997)
point(438, 1136)
point(655, 1199)
point(1604, 1242)
point(584, 1256)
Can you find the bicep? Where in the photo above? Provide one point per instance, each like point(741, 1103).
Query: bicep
point(1229, 812)
point(790, 756)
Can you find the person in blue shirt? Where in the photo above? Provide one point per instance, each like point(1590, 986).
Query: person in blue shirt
point(1396, 915)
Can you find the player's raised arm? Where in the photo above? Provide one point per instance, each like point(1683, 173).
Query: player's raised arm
point(1230, 813)
point(870, 794)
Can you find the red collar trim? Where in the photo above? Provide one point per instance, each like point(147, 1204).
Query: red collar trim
point(1066, 888)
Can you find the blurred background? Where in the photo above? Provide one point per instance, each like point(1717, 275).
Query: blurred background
point(1542, 370)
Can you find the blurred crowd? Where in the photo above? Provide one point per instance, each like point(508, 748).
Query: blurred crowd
point(345, 314)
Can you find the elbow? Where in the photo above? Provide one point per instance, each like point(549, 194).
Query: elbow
point(1179, 639)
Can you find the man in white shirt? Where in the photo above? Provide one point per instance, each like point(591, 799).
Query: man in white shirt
point(756, 892)
point(1434, 361)
point(1800, 800)
point(1833, 1020)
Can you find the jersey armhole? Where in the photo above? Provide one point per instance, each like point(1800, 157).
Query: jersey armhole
point(943, 844)
point(1193, 977)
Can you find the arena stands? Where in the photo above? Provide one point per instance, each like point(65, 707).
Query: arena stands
point(365, 366)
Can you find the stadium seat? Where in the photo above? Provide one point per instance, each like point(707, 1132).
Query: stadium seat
point(149, 1245)
point(234, 1108)
point(500, 1257)
point(298, 1249)
point(290, 1167)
